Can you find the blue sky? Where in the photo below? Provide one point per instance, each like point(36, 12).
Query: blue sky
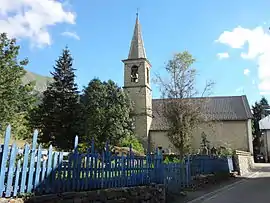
point(229, 39)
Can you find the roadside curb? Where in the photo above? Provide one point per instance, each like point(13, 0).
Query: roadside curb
point(220, 190)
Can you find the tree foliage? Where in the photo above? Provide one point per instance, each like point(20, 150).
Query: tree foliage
point(16, 99)
point(180, 112)
point(205, 144)
point(106, 113)
point(58, 115)
point(258, 110)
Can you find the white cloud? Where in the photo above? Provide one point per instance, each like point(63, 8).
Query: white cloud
point(223, 55)
point(258, 41)
point(31, 19)
point(264, 93)
point(246, 71)
point(71, 34)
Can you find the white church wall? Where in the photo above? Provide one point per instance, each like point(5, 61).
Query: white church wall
point(230, 134)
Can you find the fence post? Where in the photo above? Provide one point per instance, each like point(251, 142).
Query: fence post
point(4, 159)
point(48, 170)
point(102, 169)
point(156, 166)
point(16, 186)
point(93, 169)
point(107, 163)
point(148, 156)
point(75, 165)
point(24, 168)
point(30, 182)
point(161, 169)
point(1, 153)
point(106, 158)
point(38, 168)
point(188, 171)
point(12, 160)
point(158, 162)
point(230, 163)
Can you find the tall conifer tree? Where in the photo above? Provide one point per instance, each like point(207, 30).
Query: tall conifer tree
point(58, 114)
point(258, 110)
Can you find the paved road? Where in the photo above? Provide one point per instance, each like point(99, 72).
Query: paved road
point(254, 189)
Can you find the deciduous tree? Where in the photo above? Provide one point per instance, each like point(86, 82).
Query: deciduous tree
point(181, 113)
point(16, 99)
point(106, 113)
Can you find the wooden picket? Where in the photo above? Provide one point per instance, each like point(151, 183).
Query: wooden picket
point(32, 173)
point(4, 159)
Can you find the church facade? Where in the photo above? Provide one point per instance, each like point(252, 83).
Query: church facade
point(231, 114)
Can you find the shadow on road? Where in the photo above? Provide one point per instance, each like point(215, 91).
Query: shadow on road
point(250, 188)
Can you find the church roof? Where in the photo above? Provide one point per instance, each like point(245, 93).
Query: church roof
point(230, 108)
point(137, 50)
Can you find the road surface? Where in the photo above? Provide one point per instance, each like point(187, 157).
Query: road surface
point(253, 189)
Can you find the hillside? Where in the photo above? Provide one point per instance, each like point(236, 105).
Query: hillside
point(41, 81)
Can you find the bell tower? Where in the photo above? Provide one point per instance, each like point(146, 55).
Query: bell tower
point(137, 84)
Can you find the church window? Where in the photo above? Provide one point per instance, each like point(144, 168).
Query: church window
point(134, 74)
point(147, 75)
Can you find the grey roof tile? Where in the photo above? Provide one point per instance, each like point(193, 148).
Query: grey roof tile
point(230, 108)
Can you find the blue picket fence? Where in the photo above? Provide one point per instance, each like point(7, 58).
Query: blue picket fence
point(206, 164)
point(40, 171)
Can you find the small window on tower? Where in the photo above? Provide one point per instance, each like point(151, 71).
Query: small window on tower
point(147, 75)
point(134, 74)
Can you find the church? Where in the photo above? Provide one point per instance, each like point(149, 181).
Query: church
point(231, 114)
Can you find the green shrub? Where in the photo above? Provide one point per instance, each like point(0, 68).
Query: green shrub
point(169, 159)
point(224, 151)
point(133, 141)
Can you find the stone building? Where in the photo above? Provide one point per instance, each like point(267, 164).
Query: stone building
point(264, 125)
point(232, 115)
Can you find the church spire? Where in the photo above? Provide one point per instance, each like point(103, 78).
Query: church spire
point(137, 50)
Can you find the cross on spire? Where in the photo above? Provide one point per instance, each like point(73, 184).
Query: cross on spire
point(137, 47)
point(137, 13)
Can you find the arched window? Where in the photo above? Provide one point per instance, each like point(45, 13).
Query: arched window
point(134, 74)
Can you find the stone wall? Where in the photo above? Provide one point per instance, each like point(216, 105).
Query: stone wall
point(243, 162)
point(152, 193)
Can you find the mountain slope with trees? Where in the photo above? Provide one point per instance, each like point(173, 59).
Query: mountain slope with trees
point(41, 82)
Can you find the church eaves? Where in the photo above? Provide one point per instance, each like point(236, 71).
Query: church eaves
point(137, 50)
